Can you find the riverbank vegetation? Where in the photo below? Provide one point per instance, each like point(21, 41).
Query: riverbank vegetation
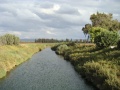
point(99, 66)
point(98, 63)
point(10, 56)
point(12, 53)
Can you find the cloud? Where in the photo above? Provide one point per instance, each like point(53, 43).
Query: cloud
point(51, 10)
point(15, 33)
point(49, 32)
point(26, 14)
point(51, 18)
point(67, 9)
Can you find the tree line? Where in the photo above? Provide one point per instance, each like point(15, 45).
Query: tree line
point(9, 39)
point(43, 40)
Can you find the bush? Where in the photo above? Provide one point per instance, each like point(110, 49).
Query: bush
point(60, 49)
point(71, 44)
point(102, 74)
point(9, 39)
point(54, 48)
point(106, 39)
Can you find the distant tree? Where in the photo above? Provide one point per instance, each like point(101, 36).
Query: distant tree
point(71, 40)
point(43, 40)
point(67, 40)
point(81, 40)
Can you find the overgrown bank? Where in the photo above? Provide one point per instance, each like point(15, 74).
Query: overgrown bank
point(99, 66)
point(11, 56)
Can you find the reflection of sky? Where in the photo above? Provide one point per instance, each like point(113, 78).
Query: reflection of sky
point(58, 19)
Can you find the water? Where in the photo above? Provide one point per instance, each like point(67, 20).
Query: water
point(44, 71)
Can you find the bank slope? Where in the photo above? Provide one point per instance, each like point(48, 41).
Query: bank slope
point(99, 66)
point(11, 56)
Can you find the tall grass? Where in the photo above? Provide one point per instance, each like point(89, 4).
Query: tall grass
point(10, 56)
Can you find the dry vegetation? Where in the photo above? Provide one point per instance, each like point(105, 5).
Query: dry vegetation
point(11, 55)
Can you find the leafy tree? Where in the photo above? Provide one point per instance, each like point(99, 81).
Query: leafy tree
point(106, 39)
point(115, 25)
point(102, 20)
point(95, 31)
point(86, 29)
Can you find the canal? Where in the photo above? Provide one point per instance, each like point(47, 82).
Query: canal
point(44, 71)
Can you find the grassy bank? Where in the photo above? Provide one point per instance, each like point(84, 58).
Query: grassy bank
point(101, 67)
point(10, 56)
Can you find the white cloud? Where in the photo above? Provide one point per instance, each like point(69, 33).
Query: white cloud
point(52, 10)
point(26, 14)
point(56, 7)
point(51, 18)
point(16, 33)
point(49, 32)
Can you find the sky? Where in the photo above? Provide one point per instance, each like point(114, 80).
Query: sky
point(59, 19)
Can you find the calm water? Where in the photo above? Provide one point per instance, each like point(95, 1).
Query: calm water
point(44, 71)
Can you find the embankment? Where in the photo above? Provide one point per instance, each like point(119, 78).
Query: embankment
point(11, 56)
point(101, 67)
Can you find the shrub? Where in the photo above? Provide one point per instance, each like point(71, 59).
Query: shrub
point(106, 39)
point(71, 44)
point(103, 74)
point(16, 40)
point(60, 49)
point(55, 47)
point(3, 40)
point(9, 39)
